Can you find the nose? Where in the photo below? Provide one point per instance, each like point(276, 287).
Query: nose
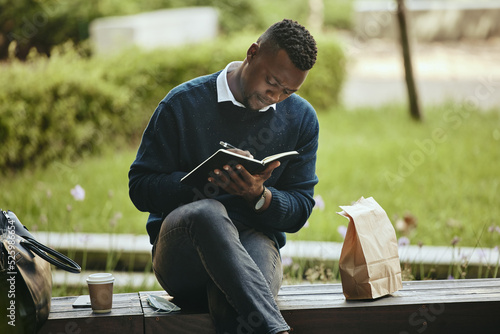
point(274, 95)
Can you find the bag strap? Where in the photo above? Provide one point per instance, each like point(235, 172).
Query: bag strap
point(59, 260)
point(29, 242)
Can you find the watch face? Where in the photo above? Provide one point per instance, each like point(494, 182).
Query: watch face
point(262, 200)
point(260, 203)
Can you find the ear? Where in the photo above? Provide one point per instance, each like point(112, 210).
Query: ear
point(252, 51)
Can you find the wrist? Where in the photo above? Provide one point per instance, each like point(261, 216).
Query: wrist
point(261, 201)
point(252, 197)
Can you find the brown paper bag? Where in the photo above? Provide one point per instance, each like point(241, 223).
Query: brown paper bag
point(369, 261)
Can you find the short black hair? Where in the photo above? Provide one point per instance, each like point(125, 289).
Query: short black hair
point(295, 39)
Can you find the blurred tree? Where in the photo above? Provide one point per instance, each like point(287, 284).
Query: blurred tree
point(405, 47)
point(40, 24)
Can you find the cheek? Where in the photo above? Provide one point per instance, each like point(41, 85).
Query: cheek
point(252, 87)
point(253, 84)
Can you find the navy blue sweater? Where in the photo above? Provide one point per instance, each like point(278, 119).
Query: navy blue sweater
point(186, 128)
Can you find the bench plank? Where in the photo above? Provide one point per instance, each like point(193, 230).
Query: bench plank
point(452, 318)
point(331, 296)
point(461, 306)
point(125, 317)
point(413, 285)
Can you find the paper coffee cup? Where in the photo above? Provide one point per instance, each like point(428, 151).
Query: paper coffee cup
point(101, 292)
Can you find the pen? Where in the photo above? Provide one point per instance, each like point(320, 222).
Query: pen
point(227, 145)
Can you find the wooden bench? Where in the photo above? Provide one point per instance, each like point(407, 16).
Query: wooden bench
point(455, 306)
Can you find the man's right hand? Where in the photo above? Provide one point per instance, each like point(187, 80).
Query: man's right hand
point(241, 152)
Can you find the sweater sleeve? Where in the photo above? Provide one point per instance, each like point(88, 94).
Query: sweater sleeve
point(154, 176)
point(292, 197)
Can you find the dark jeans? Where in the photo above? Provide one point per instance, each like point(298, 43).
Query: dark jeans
point(203, 258)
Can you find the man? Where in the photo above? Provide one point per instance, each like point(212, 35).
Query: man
point(217, 245)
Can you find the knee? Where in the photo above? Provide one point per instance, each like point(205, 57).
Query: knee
point(205, 214)
point(204, 209)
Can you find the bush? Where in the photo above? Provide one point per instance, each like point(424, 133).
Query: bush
point(324, 83)
point(67, 106)
point(58, 109)
point(339, 14)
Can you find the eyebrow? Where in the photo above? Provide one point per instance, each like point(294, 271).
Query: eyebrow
point(279, 83)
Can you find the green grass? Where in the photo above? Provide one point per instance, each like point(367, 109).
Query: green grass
point(443, 171)
point(42, 198)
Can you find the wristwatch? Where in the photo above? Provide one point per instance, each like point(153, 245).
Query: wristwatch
point(261, 201)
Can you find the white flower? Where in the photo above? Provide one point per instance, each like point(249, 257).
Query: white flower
point(342, 230)
point(286, 261)
point(78, 193)
point(455, 241)
point(319, 203)
point(403, 241)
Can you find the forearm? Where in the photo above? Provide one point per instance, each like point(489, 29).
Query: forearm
point(158, 193)
point(288, 210)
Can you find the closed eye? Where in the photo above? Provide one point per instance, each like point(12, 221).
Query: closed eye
point(274, 84)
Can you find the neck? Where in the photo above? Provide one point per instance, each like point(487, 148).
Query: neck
point(233, 81)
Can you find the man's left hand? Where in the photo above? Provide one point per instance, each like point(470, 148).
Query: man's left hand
point(238, 181)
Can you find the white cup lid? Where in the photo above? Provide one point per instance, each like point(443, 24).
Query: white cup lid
point(100, 278)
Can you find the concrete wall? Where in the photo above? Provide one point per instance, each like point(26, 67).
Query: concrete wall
point(162, 28)
point(430, 20)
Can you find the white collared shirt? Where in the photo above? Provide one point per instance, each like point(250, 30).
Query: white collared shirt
point(224, 93)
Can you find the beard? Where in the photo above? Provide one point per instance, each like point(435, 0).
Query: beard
point(255, 102)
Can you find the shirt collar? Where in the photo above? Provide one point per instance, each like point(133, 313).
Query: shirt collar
point(224, 93)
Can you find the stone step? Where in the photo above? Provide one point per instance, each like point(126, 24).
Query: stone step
point(329, 251)
point(134, 280)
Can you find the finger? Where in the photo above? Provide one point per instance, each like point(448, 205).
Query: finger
point(219, 178)
point(266, 173)
point(241, 152)
point(273, 165)
point(235, 174)
point(228, 179)
point(242, 173)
